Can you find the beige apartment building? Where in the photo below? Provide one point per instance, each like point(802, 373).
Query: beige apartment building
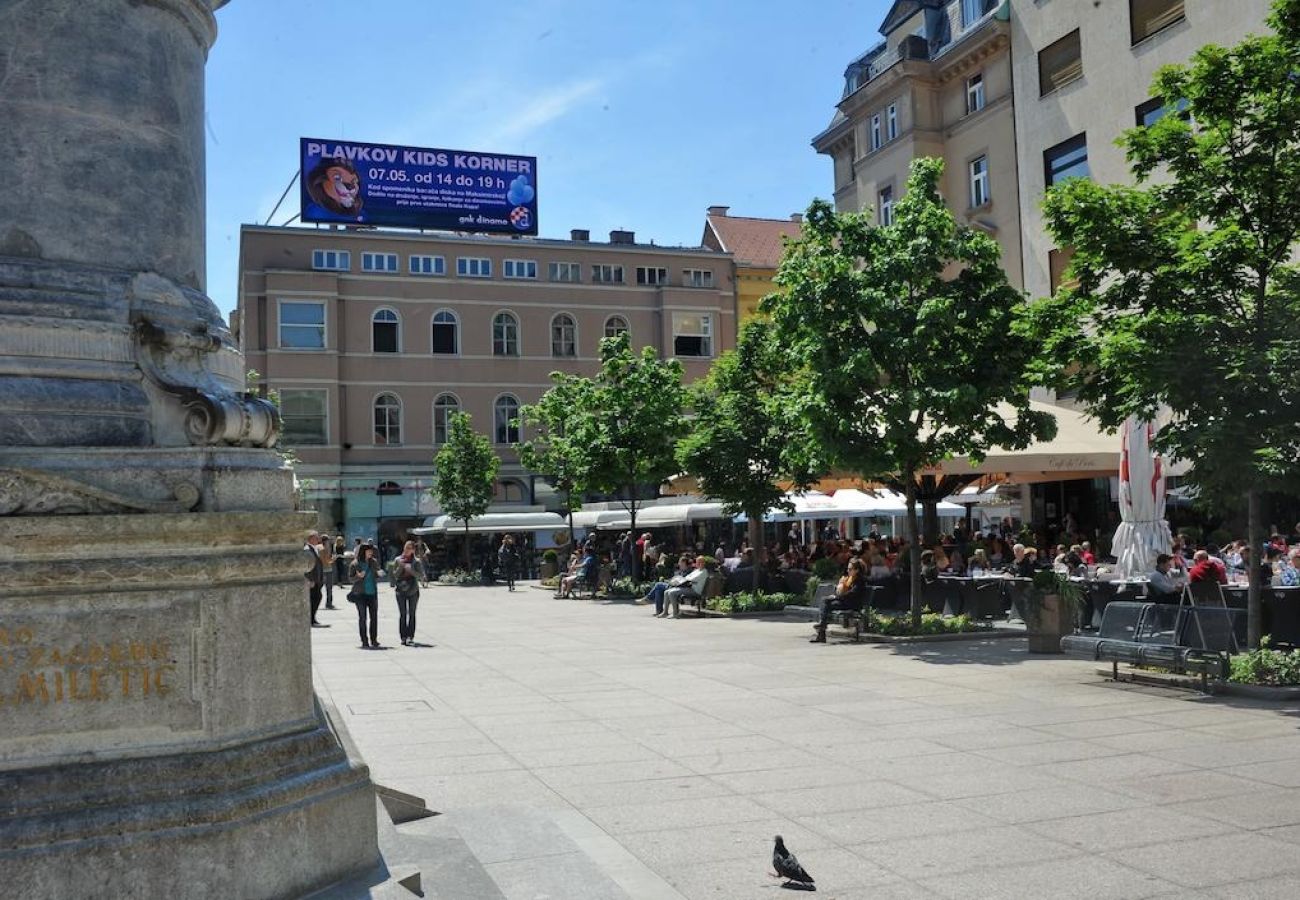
point(939, 84)
point(373, 338)
point(1082, 74)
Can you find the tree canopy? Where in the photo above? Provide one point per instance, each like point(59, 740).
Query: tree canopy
point(902, 338)
point(558, 451)
point(744, 439)
point(464, 473)
point(1185, 295)
point(632, 419)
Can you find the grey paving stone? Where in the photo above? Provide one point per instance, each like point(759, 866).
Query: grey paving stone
point(683, 813)
point(839, 798)
point(667, 848)
point(1127, 828)
point(932, 856)
point(1018, 807)
point(654, 790)
point(1284, 887)
point(1260, 809)
point(567, 876)
point(1206, 862)
point(886, 823)
point(1060, 879)
point(608, 773)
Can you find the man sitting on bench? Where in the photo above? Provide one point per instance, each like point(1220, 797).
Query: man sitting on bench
point(586, 574)
point(691, 588)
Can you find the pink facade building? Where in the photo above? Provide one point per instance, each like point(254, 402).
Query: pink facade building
point(373, 338)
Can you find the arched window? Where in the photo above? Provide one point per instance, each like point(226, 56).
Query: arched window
point(383, 331)
point(388, 419)
point(564, 336)
point(615, 325)
point(505, 335)
point(446, 332)
point(443, 409)
point(509, 490)
point(505, 415)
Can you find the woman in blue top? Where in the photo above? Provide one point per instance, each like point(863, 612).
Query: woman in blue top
point(365, 594)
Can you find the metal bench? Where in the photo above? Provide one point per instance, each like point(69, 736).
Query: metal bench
point(854, 619)
point(1185, 638)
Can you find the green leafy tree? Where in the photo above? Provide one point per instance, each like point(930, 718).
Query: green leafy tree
point(632, 419)
point(744, 439)
point(556, 451)
point(902, 335)
point(464, 473)
point(1186, 296)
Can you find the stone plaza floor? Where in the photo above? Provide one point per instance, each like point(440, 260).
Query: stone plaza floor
point(581, 749)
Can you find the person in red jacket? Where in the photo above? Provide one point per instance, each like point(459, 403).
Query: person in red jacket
point(1206, 569)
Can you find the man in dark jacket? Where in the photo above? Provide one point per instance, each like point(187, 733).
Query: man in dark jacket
point(314, 573)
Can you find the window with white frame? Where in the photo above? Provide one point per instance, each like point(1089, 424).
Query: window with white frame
point(875, 132)
point(505, 420)
point(446, 332)
point(505, 335)
point(697, 278)
point(388, 419)
point(604, 274)
point(302, 325)
point(975, 93)
point(520, 268)
point(651, 275)
point(564, 336)
point(891, 121)
point(692, 334)
point(379, 262)
point(303, 417)
point(885, 205)
point(428, 265)
point(566, 271)
point(443, 409)
point(473, 267)
point(616, 325)
point(331, 260)
point(383, 331)
point(979, 181)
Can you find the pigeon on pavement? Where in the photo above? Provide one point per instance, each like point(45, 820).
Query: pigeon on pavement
point(787, 866)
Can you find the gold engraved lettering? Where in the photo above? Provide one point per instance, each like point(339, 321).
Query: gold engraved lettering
point(35, 657)
point(56, 657)
point(162, 687)
point(139, 652)
point(30, 686)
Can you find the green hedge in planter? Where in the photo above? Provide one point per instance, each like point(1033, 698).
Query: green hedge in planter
point(931, 623)
point(750, 601)
point(1266, 666)
point(459, 576)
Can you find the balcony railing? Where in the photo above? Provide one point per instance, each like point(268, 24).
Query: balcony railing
point(948, 32)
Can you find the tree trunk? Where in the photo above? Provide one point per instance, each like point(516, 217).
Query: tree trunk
point(636, 557)
point(755, 527)
point(914, 576)
point(1254, 572)
point(468, 567)
point(930, 521)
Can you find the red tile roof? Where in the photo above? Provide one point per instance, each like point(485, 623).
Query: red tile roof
point(754, 242)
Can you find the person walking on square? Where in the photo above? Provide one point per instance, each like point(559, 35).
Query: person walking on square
point(365, 594)
point(314, 574)
point(406, 584)
point(508, 561)
point(325, 549)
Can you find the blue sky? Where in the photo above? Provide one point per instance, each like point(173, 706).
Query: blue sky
point(641, 114)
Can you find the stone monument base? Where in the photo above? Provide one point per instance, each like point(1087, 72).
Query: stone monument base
point(159, 736)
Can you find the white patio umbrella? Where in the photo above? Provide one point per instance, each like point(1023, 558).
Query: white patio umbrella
point(1143, 531)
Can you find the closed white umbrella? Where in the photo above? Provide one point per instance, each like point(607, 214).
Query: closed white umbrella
point(1143, 531)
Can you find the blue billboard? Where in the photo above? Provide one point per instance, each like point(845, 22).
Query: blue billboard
point(416, 187)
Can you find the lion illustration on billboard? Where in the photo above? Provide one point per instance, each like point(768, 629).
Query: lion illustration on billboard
point(335, 185)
